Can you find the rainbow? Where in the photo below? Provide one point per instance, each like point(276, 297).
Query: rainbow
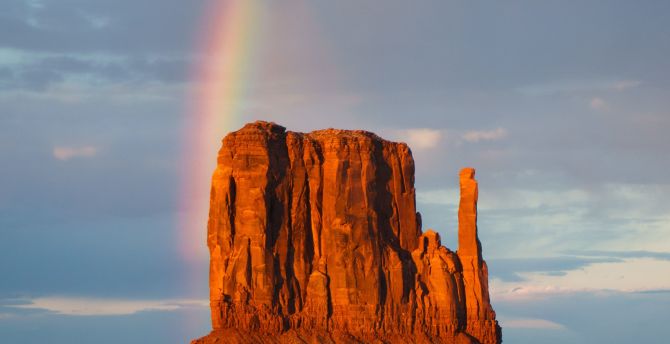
point(222, 77)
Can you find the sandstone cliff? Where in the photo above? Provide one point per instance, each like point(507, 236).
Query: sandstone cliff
point(315, 238)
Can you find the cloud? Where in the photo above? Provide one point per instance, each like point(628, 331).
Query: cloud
point(509, 198)
point(578, 86)
point(511, 269)
point(525, 218)
point(485, 135)
point(426, 138)
point(420, 138)
point(42, 71)
point(598, 103)
point(95, 25)
point(530, 323)
point(623, 254)
point(105, 307)
point(581, 315)
point(95, 21)
point(626, 276)
point(440, 197)
point(625, 84)
point(67, 153)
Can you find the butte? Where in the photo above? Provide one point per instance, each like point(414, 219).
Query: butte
point(315, 238)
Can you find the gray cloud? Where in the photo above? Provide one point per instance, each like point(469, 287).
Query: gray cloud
point(42, 71)
point(508, 269)
point(623, 254)
point(73, 26)
point(96, 42)
point(603, 317)
point(144, 327)
point(484, 46)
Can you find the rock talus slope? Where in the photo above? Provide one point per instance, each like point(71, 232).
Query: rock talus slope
point(315, 238)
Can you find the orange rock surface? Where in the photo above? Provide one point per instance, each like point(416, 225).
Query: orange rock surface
point(315, 238)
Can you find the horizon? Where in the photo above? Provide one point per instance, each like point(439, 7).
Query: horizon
point(111, 114)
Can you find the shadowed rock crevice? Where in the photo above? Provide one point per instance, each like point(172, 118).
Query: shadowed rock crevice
point(315, 238)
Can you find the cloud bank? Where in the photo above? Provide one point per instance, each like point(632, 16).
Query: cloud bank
point(67, 153)
point(106, 307)
point(485, 135)
point(530, 323)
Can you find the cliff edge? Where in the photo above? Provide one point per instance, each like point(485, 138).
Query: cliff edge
point(315, 238)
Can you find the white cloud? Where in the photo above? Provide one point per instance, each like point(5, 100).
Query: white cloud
point(578, 86)
point(96, 21)
point(98, 307)
point(35, 4)
point(67, 153)
point(625, 84)
point(629, 275)
point(598, 103)
point(485, 135)
point(420, 138)
point(530, 323)
point(527, 199)
point(544, 220)
point(509, 198)
point(427, 138)
point(449, 197)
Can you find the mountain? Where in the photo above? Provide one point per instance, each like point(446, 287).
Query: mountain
point(315, 238)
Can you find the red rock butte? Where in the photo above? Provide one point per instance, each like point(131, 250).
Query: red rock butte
point(315, 238)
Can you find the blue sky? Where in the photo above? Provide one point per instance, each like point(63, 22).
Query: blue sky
point(561, 106)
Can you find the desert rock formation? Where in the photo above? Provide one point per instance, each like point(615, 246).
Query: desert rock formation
point(315, 238)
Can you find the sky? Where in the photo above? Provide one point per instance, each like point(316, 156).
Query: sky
point(561, 106)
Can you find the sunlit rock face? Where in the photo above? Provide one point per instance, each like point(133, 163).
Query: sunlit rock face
point(315, 238)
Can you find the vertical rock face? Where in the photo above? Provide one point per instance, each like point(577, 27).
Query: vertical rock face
point(315, 238)
point(480, 316)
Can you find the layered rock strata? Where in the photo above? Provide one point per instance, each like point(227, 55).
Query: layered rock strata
point(316, 238)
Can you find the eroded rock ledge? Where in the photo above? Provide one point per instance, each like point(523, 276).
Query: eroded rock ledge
point(315, 238)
